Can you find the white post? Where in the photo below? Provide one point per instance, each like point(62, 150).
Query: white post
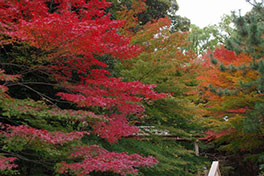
point(196, 147)
point(214, 171)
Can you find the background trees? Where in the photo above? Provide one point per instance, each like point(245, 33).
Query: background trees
point(235, 94)
point(210, 37)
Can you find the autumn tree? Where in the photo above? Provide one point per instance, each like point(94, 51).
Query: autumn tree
point(153, 10)
point(52, 53)
point(163, 63)
point(140, 12)
point(234, 95)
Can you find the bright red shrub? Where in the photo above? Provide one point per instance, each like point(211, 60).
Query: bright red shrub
point(70, 35)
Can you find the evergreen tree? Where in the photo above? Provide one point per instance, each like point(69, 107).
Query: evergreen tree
point(178, 23)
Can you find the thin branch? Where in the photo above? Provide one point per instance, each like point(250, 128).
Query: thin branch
point(12, 121)
point(25, 67)
point(44, 97)
point(32, 83)
point(45, 164)
point(36, 83)
point(17, 65)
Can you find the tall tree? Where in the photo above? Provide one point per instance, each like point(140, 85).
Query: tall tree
point(163, 63)
point(59, 42)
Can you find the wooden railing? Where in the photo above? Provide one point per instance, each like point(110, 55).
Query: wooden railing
point(146, 131)
point(214, 170)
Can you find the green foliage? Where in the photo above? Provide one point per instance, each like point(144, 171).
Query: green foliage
point(175, 157)
point(207, 38)
point(9, 172)
point(253, 122)
point(37, 114)
point(210, 37)
point(248, 37)
point(214, 61)
point(155, 9)
point(164, 64)
point(178, 23)
point(222, 67)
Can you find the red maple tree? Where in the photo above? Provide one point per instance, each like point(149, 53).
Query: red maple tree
point(70, 35)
